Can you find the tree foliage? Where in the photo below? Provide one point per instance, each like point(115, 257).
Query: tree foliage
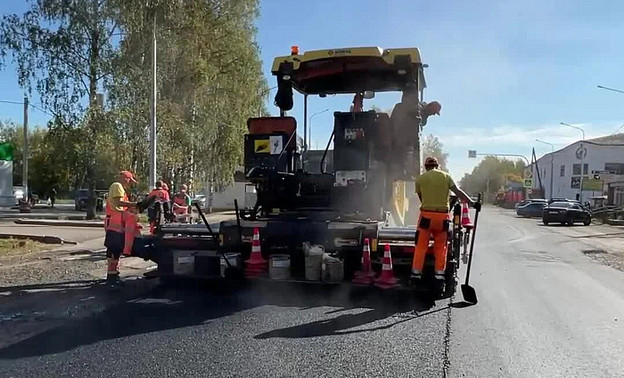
point(65, 50)
point(209, 82)
point(433, 147)
point(499, 172)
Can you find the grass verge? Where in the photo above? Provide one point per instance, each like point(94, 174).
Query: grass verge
point(16, 246)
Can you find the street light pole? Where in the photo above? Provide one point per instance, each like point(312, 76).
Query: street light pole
point(610, 89)
point(582, 159)
point(552, 165)
point(152, 133)
point(310, 130)
point(25, 151)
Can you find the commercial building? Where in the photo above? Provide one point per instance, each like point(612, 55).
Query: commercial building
point(597, 163)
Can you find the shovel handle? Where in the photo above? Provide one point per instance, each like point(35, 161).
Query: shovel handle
point(203, 217)
point(472, 240)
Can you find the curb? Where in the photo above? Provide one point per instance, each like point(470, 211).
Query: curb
point(51, 222)
point(39, 238)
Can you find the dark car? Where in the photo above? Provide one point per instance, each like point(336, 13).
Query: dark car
point(566, 213)
point(531, 209)
point(531, 200)
point(552, 200)
point(82, 198)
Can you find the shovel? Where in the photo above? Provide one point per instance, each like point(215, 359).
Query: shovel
point(469, 293)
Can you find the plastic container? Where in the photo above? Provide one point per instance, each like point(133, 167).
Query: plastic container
point(233, 258)
point(332, 269)
point(313, 261)
point(279, 267)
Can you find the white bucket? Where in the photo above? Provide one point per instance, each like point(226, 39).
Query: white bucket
point(279, 267)
point(313, 261)
point(333, 269)
point(233, 258)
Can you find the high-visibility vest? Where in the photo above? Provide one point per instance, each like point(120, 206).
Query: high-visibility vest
point(160, 194)
point(114, 220)
point(180, 201)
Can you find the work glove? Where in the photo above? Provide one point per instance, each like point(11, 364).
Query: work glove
point(477, 206)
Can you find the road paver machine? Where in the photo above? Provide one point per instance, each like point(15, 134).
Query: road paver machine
point(335, 198)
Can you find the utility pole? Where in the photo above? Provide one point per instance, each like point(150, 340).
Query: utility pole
point(152, 133)
point(552, 163)
point(25, 152)
point(583, 153)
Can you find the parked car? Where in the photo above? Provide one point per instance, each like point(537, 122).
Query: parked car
point(82, 198)
point(531, 200)
point(18, 193)
point(531, 209)
point(562, 200)
point(200, 199)
point(566, 213)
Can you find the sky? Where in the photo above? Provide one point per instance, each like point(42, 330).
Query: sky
point(505, 72)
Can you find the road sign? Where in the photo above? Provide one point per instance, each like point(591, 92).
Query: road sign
point(528, 182)
point(592, 184)
point(472, 154)
point(528, 173)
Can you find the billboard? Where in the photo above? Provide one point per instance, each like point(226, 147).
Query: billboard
point(592, 184)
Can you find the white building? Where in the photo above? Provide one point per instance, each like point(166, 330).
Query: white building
point(603, 157)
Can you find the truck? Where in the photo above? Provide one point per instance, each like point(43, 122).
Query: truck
point(336, 198)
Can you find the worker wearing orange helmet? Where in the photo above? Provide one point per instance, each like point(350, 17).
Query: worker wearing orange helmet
point(117, 205)
point(433, 189)
point(182, 203)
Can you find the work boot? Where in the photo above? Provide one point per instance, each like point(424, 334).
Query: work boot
point(114, 280)
point(440, 275)
point(416, 278)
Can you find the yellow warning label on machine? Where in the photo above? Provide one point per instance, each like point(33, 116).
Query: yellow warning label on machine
point(262, 146)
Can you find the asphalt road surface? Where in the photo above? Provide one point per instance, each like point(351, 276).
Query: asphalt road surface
point(545, 310)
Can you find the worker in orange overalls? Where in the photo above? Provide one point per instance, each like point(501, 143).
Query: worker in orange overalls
point(117, 206)
point(161, 195)
point(433, 188)
point(182, 204)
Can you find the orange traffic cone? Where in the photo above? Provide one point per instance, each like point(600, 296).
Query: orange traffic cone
point(366, 276)
point(255, 265)
point(386, 280)
point(465, 216)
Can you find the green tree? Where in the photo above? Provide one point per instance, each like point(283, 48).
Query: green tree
point(433, 147)
point(492, 173)
point(205, 97)
point(65, 50)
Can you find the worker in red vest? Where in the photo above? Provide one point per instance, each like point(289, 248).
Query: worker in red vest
point(117, 205)
point(161, 195)
point(182, 203)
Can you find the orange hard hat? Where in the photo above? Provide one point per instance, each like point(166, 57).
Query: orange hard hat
point(128, 175)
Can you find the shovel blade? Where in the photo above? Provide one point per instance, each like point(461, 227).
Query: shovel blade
point(469, 293)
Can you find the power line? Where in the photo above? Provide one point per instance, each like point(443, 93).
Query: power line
point(31, 105)
point(11, 102)
point(41, 110)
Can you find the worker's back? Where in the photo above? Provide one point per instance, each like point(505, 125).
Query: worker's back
point(434, 186)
